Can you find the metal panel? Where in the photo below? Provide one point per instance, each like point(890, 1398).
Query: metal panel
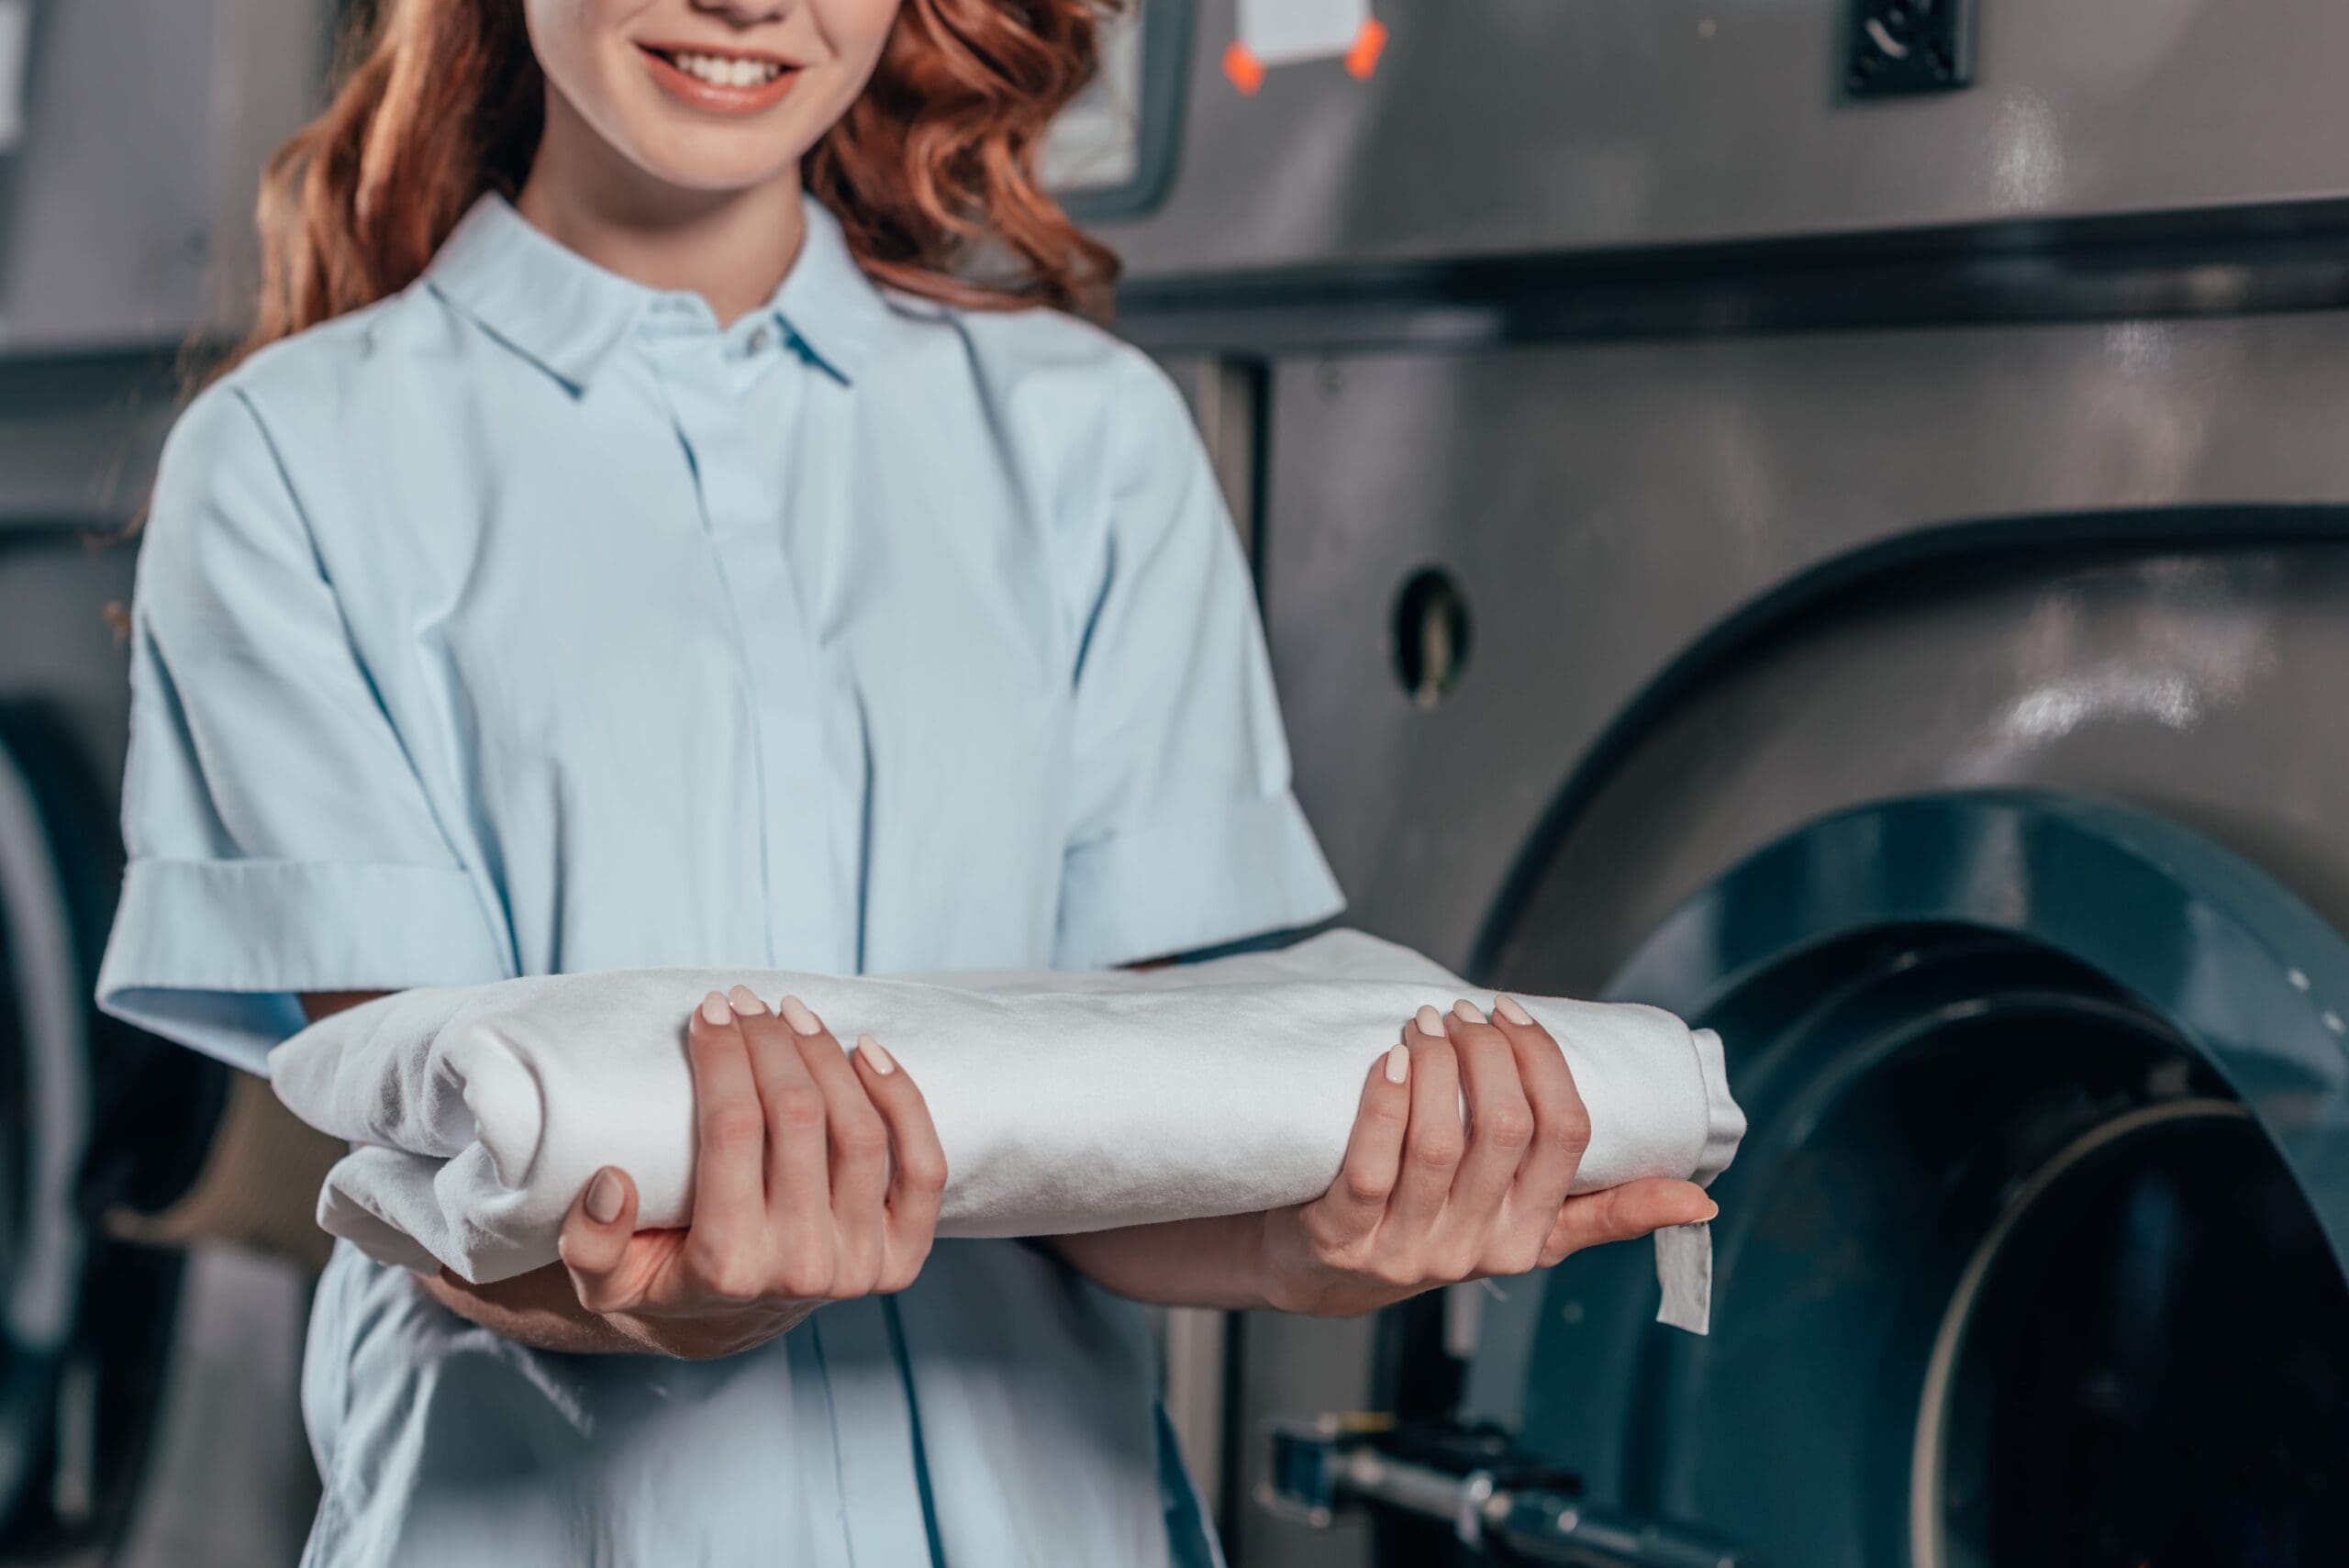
point(166, 109)
point(2203, 686)
point(1498, 127)
point(1604, 507)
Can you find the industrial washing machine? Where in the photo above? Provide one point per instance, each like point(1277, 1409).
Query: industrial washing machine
point(147, 1388)
point(1832, 517)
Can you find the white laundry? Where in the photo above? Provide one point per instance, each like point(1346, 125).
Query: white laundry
point(1063, 1102)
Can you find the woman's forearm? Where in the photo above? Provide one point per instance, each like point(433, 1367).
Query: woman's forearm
point(1214, 1262)
point(539, 1310)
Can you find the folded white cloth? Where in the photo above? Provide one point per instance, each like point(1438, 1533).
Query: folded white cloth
point(1063, 1102)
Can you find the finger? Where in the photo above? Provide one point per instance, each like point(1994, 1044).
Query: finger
point(594, 1241)
point(918, 1181)
point(1356, 1201)
point(859, 1143)
point(729, 1186)
point(1434, 1141)
point(1500, 1120)
point(797, 1132)
point(1560, 1121)
point(1624, 1213)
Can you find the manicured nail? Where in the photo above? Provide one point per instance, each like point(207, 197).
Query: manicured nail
point(1431, 1023)
point(603, 1196)
point(746, 1003)
point(1506, 1007)
point(1466, 1011)
point(802, 1022)
point(1713, 1212)
point(870, 1048)
point(1398, 1063)
point(715, 1010)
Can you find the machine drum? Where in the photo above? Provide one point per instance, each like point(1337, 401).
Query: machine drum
point(2150, 1364)
point(2033, 1255)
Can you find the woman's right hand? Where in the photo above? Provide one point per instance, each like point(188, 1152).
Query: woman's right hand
point(816, 1176)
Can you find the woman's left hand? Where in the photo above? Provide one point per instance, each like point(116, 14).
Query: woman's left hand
point(1422, 1201)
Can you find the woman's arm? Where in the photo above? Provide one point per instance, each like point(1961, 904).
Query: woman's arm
point(1421, 1201)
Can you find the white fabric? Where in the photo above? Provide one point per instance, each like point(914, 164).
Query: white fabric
point(1065, 1102)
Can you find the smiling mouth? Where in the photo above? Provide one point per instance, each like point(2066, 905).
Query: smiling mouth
point(742, 72)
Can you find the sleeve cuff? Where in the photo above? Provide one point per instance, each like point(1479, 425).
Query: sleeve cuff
point(213, 954)
point(1197, 883)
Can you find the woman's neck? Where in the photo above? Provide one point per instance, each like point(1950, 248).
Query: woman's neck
point(731, 247)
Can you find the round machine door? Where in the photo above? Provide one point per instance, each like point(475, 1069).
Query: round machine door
point(120, 1364)
point(2033, 1254)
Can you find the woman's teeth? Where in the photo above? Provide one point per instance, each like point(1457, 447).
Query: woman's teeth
point(723, 71)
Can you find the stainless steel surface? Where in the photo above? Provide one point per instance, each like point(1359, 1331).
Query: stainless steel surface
point(2201, 684)
point(1496, 127)
point(1606, 507)
point(1227, 397)
point(125, 212)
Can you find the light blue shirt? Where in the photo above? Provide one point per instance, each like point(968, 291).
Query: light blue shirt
point(527, 623)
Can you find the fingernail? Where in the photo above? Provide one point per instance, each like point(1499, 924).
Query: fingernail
point(1431, 1023)
point(1398, 1063)
point(1714, 1212)
point(1466, 1011)
point(1506, 1007)
point(746, 1003)
point(603, 1196)
point(870, 1048)
point(802, 1022)
point(714, 1010)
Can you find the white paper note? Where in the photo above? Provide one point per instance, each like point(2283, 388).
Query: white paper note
point(1281, 32)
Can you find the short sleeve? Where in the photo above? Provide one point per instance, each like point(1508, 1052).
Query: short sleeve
point(1184, 833)
point(279, 838)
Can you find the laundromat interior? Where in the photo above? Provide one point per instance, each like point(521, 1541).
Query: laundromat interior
point(1827, 517)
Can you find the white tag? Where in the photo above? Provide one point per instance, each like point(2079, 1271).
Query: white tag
point(1280, 32)
point(1684, 1264)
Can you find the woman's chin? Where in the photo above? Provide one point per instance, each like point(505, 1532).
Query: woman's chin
point(705, 165)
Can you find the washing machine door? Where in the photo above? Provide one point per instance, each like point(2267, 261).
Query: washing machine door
point(120, 1364)
point(2033, 1254)
point(45, 1091)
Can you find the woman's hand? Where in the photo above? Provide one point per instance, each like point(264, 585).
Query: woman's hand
point(1423, 1202)
point(816, 1177)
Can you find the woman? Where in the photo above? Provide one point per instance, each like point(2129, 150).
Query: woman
point(633, 538)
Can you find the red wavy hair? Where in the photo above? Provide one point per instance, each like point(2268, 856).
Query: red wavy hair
point(440, 101)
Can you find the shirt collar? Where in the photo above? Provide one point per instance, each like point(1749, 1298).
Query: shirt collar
point(558, 308)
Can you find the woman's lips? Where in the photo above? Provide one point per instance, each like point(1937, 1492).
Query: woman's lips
point(719, 97)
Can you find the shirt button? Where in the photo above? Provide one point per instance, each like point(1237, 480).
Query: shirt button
point(759, 341)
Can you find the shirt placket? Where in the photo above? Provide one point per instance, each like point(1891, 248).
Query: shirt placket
point(735, 402)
